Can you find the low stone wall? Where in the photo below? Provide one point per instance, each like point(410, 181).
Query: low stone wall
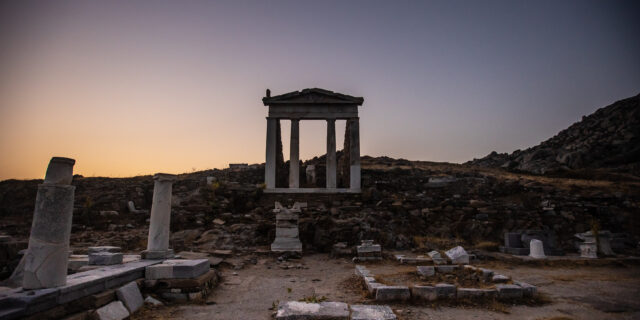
point(501, 291)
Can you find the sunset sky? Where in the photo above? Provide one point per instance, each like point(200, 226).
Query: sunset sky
point(137, 87)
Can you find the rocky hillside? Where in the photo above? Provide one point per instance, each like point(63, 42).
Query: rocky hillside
point(404, 204)
point(608, 138)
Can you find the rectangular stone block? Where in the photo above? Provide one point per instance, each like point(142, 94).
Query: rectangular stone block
point(368, 248)
point(295, 310)
point(445, 291)
point(458, 255)
point(104, 249)
point(509, 291)
point(446, 268)
point(391, 293)
point(498, 278)
point(287, 232)
point(113, 311)
point(105, 258)
point(187, 269)
point(487, 274)
point(474, 293)
point(529, 290)
point(159, 271)
point(426, 271)
point(372, 312)
point(198, 282)
point(427, 293)
point(130, 296)
point(362, 271)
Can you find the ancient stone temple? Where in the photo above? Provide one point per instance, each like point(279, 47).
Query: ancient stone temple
point(313, 104)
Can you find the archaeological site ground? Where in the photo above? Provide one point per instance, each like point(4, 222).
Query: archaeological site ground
point(550, 232)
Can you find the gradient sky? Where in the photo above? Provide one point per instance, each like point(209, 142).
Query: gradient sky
point(137, 87)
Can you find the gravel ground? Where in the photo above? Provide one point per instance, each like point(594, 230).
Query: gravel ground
point(580, 292)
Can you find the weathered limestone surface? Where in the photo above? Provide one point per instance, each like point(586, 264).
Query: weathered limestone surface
point(426, 271)
point(509, 291)
point(130, 296)
point(113, 311)
point(159, 226)
point(458, 255)
point(372, 312)
point(294, 310)
point(46, 259)
point(389, 293)
point(536, 249)
point(103, 249)
point(105, 258)
point(177, 269)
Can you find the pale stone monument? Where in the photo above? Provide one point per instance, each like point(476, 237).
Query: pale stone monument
point(536, 249)
point(313, 104)
point(159, 226)
point(46, 259)
point(287, 233)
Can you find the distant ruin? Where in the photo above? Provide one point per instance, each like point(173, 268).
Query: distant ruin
point(312, 104)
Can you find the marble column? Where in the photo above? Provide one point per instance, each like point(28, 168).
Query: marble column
point(159, 226)
point(46, 259)
point(331, 153)
point(354, 154)
point(270, 163)
point(294, 156)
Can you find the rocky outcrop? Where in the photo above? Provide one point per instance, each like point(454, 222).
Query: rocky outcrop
point(608, 138)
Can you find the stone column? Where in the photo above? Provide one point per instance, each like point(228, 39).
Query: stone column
point(331, 153)
point(270, 163)
point(354, 154)
point(159, 226)
point(46, 259)
point(294, 156)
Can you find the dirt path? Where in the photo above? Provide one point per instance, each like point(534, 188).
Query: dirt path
point(576, 293)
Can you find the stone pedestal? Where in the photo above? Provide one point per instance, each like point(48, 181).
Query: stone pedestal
point(589, 250)
point(45, 263)
point(287, 234)
point(536, 249)
point(159, 227)
point(367, 250)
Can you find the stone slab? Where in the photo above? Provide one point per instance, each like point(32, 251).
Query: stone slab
point(427, 293)
point(446, 268)
point(197, 282)
point(529, 290)
point(445, 291)
point(104, 249)
point(372, 312)
point(498, 278)
point(458, 255)
point(295, 310)
point(113, 311)
point(475, 293)
point(426, 271)
point(158, 271)
point(509, 291)
point(105, 258)
point(286, 244)
point(392, 293)
point(130, 296)
point(362, 271)
point(188, 269)
point(19, 303)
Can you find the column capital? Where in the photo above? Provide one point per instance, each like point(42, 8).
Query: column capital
point(162, 177)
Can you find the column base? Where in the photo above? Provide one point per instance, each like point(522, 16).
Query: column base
point(157, 254)
point(286, 244)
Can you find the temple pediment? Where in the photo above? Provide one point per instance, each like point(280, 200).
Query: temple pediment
point(314, 96)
